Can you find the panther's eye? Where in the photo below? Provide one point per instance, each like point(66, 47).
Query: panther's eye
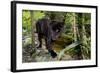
point(57, 30)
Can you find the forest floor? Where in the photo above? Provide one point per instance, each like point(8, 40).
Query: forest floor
point(42, 54)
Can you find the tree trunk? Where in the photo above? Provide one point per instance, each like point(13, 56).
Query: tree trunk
point(79, 30)
point(74, 28)
point(84, 39)
point(32, 28)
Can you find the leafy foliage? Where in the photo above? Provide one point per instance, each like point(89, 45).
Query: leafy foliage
point(77, 26)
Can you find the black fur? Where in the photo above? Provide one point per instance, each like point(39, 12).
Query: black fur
point(50, 31)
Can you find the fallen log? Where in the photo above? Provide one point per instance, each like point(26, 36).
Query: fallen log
point(67, 48)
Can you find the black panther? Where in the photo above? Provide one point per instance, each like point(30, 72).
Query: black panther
point(50, 31)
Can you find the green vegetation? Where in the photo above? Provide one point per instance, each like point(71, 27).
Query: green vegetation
point(74, 41)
